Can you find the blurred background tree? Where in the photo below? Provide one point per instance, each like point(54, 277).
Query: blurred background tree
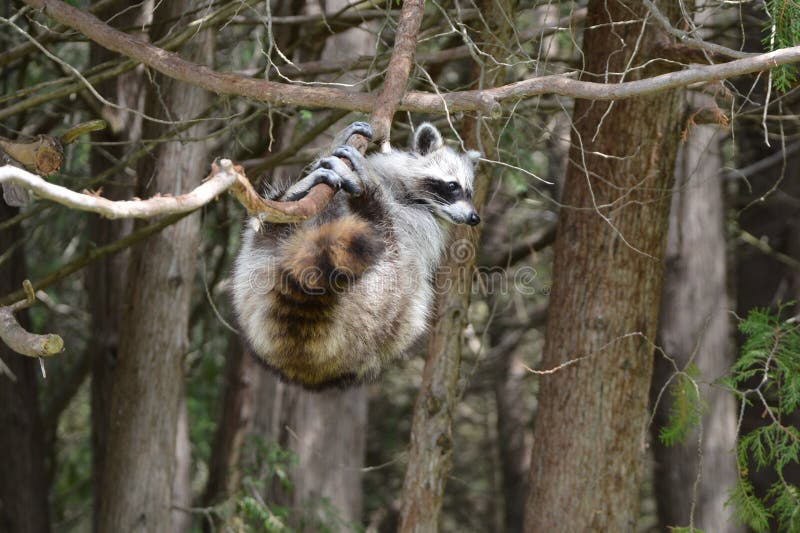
point(156, 419)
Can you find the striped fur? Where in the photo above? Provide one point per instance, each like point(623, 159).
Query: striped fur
point(332, 300)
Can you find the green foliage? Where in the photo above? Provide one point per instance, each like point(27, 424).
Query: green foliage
point(768, 373)
point(681, 529)
point(748, 507)
point(266, 467)
point(686, 410)
point(783, 31)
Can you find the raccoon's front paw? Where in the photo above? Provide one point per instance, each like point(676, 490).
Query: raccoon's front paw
point(355, 158)
point(360, 128)
point(337, 174)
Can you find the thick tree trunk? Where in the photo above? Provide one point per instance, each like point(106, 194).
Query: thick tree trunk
point(23, 483)
point(326, 431)
point(105, 279)
point(140, 461)
point(695, 326)
point(590, 426)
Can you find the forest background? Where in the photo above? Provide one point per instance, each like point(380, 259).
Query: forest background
point(616, 350)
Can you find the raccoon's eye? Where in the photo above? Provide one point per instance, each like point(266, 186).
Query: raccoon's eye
point(452, 185)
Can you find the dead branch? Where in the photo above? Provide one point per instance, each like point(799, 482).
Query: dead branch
point(486, 101)
point(217, 183)
point(21, 341)
point(44, 154)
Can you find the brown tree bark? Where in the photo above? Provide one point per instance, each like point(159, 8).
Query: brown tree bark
point(695, 326)
point(105, 279)
point(430, 456)
point(590, 427)
point(242, 378)
point(147, 381)
point(326, 432)
point(23, 483)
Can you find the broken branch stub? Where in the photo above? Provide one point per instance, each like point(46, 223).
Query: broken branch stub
point(24, 342)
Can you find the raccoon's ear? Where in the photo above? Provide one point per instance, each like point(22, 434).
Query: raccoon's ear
point(474, 156)
point(426, 139)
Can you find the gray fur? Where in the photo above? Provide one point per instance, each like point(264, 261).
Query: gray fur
point(387, 308)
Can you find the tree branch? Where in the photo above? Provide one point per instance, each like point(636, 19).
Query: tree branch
point(217, 183)
point(486, 101)
point(394, 85)
point(94, 254)
point(684, 37)
point(21, 341)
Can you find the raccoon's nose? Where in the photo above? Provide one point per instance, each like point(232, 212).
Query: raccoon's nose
point(474, 219)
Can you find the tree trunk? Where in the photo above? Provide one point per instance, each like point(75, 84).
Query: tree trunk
point(430, 456)
point(695, 327)
point(325, 430)
point(140, 462)
point(105, 279)
point(589, 432)
point(242, 378)
point(23, 484)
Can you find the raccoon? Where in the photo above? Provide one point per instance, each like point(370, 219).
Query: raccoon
point(332, 300)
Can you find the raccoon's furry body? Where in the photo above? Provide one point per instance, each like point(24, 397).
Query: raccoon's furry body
point(331, 300)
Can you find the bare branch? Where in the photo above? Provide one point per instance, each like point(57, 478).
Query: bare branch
point(21, 341)
point(486, 101)
point(394, 85)
point(160, 205)
point(687, 39)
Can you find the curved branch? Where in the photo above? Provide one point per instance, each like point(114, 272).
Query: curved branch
point(218, 183)
point(486, 101)
point(24, 342)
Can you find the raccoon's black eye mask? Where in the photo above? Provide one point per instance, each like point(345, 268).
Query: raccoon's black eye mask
point(443, 191)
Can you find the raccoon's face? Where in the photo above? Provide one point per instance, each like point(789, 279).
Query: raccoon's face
point(444, 177)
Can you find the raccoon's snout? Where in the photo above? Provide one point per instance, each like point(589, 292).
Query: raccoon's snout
point(474, 219)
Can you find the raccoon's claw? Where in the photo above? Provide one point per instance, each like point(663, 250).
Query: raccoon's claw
point(336, 173)
point(360, 128)
point(319, 175)
point(352, 154)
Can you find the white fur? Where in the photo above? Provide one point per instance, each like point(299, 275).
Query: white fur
point(398, 285)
